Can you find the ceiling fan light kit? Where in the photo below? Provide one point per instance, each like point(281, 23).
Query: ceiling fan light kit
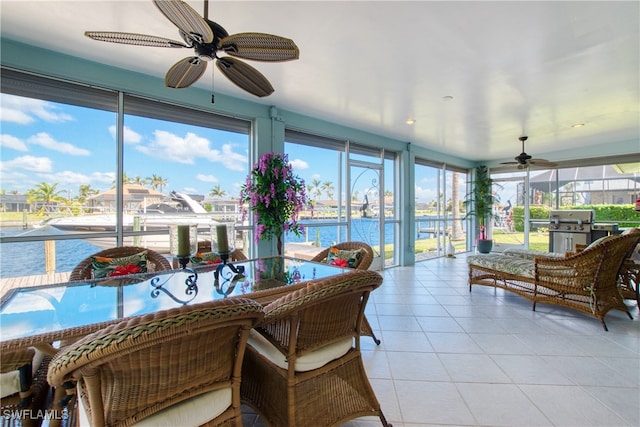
point(208, 39)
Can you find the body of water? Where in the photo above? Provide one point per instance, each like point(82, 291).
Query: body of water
point(27, 258)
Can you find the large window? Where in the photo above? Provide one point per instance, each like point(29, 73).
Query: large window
point(439, 194)
point(527, 196)
point(351, 187)
point(79, 173)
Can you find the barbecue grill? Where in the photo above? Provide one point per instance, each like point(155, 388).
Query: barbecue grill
point(570, 227)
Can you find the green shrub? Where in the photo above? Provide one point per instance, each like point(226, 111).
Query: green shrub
point(624, 215)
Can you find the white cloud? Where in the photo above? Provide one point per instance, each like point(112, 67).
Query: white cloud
point(206, 178)
point(103, 177)
point(45, 140)
point(171, 147)
point(66, 177)
point(426, 194)
point(30, 163)
point(130, 136)
point(23, 111)
point(299, 164)
point(230, 160)
point(187, 149)
point(10, 141)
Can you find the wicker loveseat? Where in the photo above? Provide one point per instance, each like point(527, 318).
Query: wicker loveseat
point(586, 281)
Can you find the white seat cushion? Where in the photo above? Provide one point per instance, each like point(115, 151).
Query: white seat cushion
point(191, 412)
point(308, 362)
point(9, 383)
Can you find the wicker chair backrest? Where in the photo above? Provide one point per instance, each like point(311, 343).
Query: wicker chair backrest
point(143, 364)
point(367, 253)
point(323, 312)
point(155, 261)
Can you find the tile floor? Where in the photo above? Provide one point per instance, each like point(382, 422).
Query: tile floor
point(449, 357)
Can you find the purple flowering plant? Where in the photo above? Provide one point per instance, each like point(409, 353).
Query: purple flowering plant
point(275, 196)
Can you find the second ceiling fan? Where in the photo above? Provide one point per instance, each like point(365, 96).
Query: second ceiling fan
point(209, 39)
point(524, 160)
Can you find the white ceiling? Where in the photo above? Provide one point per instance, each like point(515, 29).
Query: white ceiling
point(511, 68)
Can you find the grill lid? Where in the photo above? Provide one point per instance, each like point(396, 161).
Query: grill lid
point(574, 216)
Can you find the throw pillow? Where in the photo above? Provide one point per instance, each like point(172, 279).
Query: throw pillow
point(344, 258)
point(202, 258)
point(109, 267)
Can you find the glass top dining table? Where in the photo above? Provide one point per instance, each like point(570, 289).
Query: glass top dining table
point(57, 307)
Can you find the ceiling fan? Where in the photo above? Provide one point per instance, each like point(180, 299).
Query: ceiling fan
point(523, 160)
point(209, 39)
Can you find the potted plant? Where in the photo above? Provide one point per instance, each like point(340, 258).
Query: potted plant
point(479, 204)
point(275, 196)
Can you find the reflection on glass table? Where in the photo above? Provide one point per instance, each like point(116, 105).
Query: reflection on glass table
point(51, 308)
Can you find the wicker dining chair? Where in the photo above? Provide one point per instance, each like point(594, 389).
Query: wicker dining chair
point(366, 259)
point(303, 366)
point(23, 375)
point(155, 261)
point(174, 367)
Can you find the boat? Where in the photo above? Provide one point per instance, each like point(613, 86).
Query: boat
point(175, 209)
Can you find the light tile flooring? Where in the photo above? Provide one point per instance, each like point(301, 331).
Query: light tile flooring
point(450, 357)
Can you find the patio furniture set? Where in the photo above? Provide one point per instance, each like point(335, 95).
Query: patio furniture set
point(593, 280)
point(291, 351)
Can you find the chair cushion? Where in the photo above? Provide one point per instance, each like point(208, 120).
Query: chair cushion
point(203, 258)
point(505, 263)
point(9, 383)
point(195, 411)
point(530, 254)
point(107, 266)
point(344, 258)
point(308, 362)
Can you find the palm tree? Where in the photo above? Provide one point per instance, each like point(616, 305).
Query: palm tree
point(125, 179)
point(316, 187)
point(85, 191)
point(327, 186)
point(46, 194)
point(157, 182)
point(217, 192)
point(139, 181)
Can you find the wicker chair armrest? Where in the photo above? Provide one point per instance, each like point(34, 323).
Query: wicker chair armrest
point(283, 306)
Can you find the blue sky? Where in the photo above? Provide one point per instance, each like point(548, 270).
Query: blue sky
point(42, 141)
point(68, 145)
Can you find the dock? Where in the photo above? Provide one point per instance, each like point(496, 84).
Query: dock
point(433, 232)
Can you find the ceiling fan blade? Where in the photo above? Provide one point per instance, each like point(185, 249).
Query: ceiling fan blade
point(132, 38)
point(186, 19)
point(185, 72)
point(245, 76)
point(260, 47)
point(542, 163)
